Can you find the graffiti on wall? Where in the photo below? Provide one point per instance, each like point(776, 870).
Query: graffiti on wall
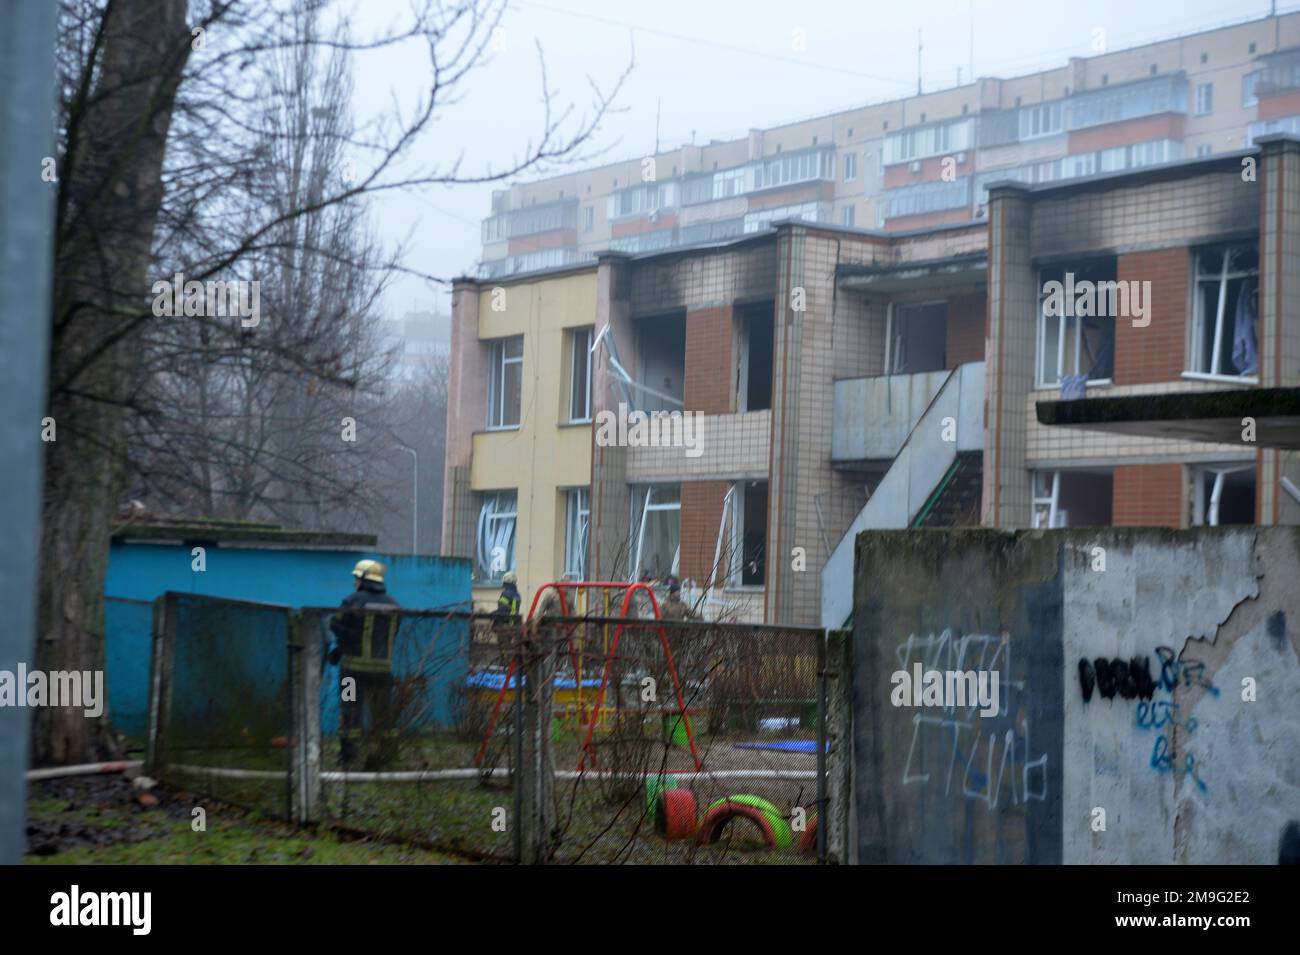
point(1156, 710)
point(990, 759)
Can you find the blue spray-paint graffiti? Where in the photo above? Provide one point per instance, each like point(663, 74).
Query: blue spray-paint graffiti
point(1132, 679)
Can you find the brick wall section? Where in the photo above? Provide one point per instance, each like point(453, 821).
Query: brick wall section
point(701, 512)
point(708, 360)
point(966, 329)
point(1154, 353)
point(1148, 495)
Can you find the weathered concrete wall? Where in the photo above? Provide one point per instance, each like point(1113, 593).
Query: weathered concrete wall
point(1149, 682)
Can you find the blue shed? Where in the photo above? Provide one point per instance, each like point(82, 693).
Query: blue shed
point(248, 561)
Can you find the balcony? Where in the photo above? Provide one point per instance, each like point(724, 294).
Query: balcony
point(718, 447)
point(1114, 104)
point(530, 220)
point(872, 417)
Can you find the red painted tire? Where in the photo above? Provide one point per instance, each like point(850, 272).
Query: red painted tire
point(677, 814)
point(808, 841)
point(721, 813)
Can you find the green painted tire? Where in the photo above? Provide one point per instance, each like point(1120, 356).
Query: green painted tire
point(780, 827)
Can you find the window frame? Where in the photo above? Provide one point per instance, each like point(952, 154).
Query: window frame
point(498, 359)
point(577, 524)
point(580, 337)
point(735, 574)
point(1048, 497)
point(1205, 108)
point(1198, 317)
point(1220, 471)
point(1041, 383)
point(894, 321)
point(1249, 85)
point(1041, 119)
point(645, 493)
point(483, 571)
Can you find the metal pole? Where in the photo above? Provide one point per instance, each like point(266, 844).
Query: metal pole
point(27, 82)
point(415, 499)
point(823, 820)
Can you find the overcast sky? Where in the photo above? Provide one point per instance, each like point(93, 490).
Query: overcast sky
point(714, 68)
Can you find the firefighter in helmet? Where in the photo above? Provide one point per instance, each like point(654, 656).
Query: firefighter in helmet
point(508, 602)
point(363, 650)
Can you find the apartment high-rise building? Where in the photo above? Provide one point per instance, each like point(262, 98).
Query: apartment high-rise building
point(919, 161)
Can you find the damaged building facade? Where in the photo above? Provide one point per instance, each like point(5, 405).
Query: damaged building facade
point(844, 380)
point(841, 380)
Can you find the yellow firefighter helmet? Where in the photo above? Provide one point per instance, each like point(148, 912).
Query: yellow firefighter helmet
point(371, 570)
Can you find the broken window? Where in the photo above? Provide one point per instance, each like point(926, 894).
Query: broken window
point(1225, 311)
point(576, 531)
point(505, 382)
point(661, 362)
point(749, 534)
point(1224, 494)
point(1074, 498)
point(656, 531)
point(754, 358)
point(1076, 326)
point(917, 338)
point(495, 541)
point(580, 375)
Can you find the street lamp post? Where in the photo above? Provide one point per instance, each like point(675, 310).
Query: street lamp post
point(415, 498)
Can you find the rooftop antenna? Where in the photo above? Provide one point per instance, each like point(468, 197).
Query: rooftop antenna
point(918, 62)
point(658, 106)
point(972, 41)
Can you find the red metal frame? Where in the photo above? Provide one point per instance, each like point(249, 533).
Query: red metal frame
point(630, 589)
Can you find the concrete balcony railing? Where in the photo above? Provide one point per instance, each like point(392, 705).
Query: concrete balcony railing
point(872, 417)
point(729, 446)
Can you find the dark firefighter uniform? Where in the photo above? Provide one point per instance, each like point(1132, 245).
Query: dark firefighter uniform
point(363, 651)
point(508, 602)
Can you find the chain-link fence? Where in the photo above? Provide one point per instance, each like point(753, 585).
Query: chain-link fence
point(405, 700)
point(690, 742)
point(221, 719)
point(576, 740)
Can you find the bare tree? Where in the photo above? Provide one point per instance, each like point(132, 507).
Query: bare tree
point(243, 434)
point(172, 150)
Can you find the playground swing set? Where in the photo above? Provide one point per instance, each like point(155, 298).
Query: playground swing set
point(673, 808)
point(585, 588)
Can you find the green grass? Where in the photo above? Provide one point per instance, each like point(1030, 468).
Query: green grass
point(231, 838)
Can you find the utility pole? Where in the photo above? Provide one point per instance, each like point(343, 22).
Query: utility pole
point(27, 82)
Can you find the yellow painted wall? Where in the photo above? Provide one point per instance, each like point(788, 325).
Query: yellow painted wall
point(545, 454)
